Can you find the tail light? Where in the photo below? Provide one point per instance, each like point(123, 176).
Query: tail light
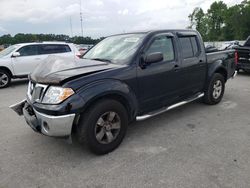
point(78, 55)
point(236, 58)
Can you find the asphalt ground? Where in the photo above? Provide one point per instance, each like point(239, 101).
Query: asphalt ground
point(193, 146)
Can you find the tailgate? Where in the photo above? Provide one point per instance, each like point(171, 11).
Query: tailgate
point(244, 56)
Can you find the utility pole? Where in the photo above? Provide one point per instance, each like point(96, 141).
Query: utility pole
point(71, 29)
point(81, 17)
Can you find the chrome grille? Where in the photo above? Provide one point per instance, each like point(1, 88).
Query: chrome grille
point(36, 91)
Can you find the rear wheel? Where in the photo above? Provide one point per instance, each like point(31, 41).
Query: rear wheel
point(103, 126)
point(5, 79)
point(215, 90)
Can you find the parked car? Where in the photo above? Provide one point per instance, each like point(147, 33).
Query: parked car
point(19, 60)
point(123, 78)
point(83, 48)
point(243, 56)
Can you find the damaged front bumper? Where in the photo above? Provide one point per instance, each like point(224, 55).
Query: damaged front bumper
point(56, 126)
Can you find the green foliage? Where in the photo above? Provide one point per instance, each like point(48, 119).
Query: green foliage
point(23, 38)
point(199, 21)
point(222, 22)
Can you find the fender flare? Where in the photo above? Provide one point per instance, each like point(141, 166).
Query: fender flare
point(6, 69)
point(110, 88)
point(217, 67)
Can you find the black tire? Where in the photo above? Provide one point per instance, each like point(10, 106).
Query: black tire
point(213, 97)
point(88, 126)
point(5, 79)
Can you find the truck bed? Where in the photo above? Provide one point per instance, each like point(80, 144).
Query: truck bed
point(229, 60)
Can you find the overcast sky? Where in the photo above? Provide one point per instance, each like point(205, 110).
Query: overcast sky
point(100, 17)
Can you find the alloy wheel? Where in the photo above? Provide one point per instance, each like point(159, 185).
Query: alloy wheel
point(217, 89)
point(4, 79)
point(107, 127)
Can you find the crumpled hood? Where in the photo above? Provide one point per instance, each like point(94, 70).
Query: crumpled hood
point(56, 69)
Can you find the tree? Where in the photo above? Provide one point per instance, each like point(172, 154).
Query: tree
point(22, 38)
point(245, 19)
point(232, 26)
point(216, 19)
point(198, 21)
point(6, 39)
point(222, 22)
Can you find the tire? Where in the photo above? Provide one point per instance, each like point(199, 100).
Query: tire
point(96, 125)
point(5, 79)
point(215, 90)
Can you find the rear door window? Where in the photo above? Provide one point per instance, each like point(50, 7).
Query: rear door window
point(189, 47)
point(54, 49)
point(194, 45)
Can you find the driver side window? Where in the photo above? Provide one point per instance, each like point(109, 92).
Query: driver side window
point(164, 45)
point(28, 50)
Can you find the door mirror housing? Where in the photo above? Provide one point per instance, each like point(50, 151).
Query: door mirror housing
point(153, 58)
point(16, 54)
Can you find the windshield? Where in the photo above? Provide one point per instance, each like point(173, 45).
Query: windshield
point(115, 49)
point(8, 50)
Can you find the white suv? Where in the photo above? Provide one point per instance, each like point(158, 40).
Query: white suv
point(19, 60)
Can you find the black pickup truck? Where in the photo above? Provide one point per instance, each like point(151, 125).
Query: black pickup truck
point(123, 78)
point(243, 56)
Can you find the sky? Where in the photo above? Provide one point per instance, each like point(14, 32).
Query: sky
point(100, 17)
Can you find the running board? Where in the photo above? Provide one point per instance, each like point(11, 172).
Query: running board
point(165, 109)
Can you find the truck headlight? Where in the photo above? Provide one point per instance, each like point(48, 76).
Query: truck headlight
point(56, 95)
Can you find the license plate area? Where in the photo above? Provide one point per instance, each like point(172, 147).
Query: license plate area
point(18, 108)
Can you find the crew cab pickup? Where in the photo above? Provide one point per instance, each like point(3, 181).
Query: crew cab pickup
point(243, 56)
point(123, 78)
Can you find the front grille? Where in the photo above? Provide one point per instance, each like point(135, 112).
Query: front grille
point(36, 91)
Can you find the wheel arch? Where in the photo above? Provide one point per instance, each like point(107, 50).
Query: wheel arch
point(111, 89)
point(217, 67)
point(115, 96)
point(222, 71)
point(7, 70)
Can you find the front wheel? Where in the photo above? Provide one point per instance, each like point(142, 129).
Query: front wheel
point(103, 126)
point(215, 90)
point(5, 79)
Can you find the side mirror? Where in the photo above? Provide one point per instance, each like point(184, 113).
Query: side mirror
point(153, 58)
point(16, 54)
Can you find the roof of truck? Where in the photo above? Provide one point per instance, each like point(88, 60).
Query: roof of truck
point(156, 31)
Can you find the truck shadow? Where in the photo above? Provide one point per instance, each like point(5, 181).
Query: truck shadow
point(166, 120)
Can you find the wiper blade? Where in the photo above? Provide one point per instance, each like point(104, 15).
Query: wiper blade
point(103, 60)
